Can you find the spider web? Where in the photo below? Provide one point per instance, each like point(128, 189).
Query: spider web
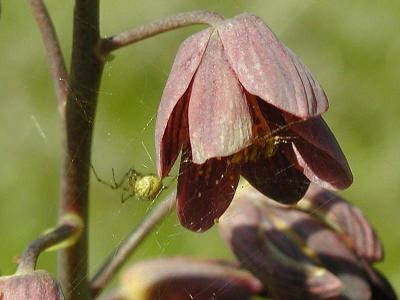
point(111, 220)
point(169, 238)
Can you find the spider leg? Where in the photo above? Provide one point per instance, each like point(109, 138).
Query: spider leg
point(111, 185)
point(124, 199)
point(115, 185)
point(123, 179)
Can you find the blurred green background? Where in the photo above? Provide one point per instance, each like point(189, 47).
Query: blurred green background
point(352, 46)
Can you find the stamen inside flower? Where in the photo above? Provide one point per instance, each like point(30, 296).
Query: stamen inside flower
point(262, 147)
point(272, 146)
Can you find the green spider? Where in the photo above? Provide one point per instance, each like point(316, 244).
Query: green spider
point(143, 187)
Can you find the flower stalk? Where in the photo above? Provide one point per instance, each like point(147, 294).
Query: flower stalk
point(63, 235)
point(125, 249)
point(54, 54)
point(136, 34)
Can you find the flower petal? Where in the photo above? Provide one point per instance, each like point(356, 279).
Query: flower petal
point(187, 278)
point(345, 219)
point(185, 65)
point(266, 69)
point(219, 118)
point(175, 135)
point(318, 153)
point(204, 191)
point(276, 177)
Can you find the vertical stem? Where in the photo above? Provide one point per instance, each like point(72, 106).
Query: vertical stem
point(85, 76)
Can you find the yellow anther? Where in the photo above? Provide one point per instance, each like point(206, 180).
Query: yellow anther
point(271, 147)
point(252, 156)
point(237, 158)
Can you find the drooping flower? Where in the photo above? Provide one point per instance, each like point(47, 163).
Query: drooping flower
point(300, 255)
point(238, 102)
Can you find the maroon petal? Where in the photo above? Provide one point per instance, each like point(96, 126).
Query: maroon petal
point(276, 177)
point(175, 135)
point(204, 191)
point(266, 69)
point(219, 118)
point(180, 278)
point(318, 153)
point(346, 220)
point(185, 65)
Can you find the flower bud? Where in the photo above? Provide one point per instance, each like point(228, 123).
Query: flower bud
point(187, 278)
point(38, 285)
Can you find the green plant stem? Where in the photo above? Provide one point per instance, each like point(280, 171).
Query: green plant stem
point(122, 253)
point(136, 34)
